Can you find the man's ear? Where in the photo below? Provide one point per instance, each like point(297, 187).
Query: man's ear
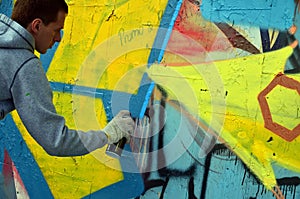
point(35, 25)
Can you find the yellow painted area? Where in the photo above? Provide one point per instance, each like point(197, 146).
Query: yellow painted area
point(285, 111)
point(102, 41)
point(224, 97)
point(115, 28)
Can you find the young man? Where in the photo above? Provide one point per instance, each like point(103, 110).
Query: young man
point(36, 25)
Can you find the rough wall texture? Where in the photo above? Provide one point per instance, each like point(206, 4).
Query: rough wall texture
point(218, 79)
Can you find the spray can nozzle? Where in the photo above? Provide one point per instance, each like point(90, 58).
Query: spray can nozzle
point(115, 150)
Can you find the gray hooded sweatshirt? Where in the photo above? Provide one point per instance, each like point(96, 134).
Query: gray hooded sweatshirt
point(24, 87)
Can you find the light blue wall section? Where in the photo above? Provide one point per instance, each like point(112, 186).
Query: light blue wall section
point(219, 174)
point(6, 7)
point(263, 13)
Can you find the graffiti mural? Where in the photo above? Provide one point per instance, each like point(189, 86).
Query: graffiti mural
point(192, 75)
point(213, 85)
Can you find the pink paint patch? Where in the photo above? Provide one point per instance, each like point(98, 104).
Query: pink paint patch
point(206, 35)
point(7, 170)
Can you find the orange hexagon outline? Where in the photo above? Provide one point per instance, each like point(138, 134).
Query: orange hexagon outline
point(285, 133)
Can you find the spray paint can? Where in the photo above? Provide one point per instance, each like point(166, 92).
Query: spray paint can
point(115, 150)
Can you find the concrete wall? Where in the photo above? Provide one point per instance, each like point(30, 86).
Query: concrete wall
point(224, 113)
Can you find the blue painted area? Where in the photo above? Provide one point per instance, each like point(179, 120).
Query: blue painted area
point(6, 7)
point(233, 180)
point(219, 174)
point(165, 30)
point(13, 142)
point(284, 39)
point(263, 13)
point(293, 64)
point(132, 186)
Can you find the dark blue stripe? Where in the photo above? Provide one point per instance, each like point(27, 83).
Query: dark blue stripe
point(113, 101)
point(158, 49)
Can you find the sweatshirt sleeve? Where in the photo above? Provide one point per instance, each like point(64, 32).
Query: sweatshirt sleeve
point(32, 98)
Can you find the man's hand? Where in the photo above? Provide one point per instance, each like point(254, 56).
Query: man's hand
point(122, 125)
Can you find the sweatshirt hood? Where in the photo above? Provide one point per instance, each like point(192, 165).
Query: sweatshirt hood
point(13, 35)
